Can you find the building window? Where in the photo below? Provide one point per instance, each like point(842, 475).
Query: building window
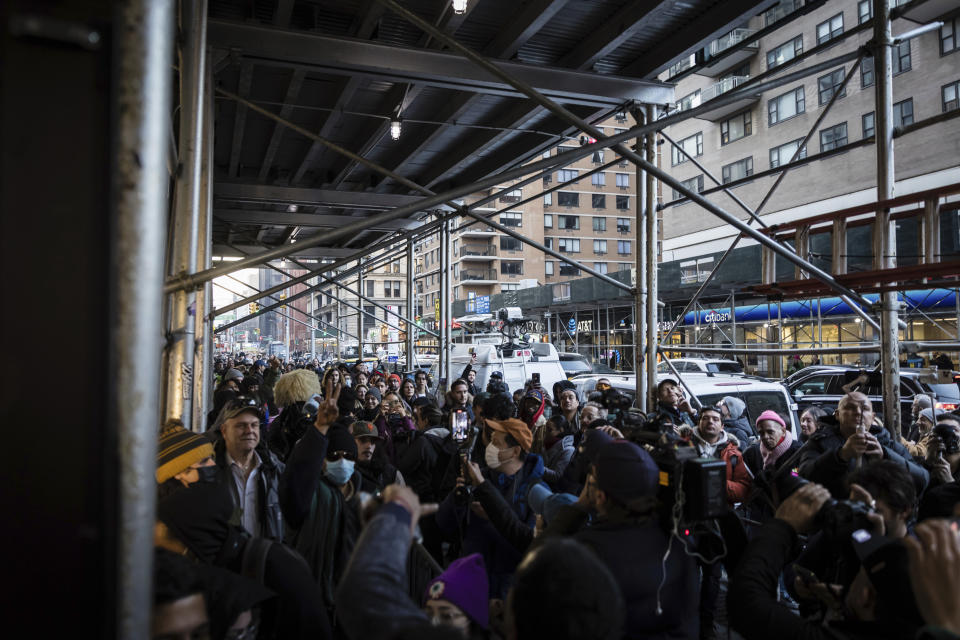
point(866, 72)
point(506, 286)
point(623, 180)
point(548, 199)
point(693, 145)
point(903, 113)
point(387, 289)
point(737, 170)
point(787, 51)
point(786, 106)
point(830, 84)
point(739, 126)
point(695, 270)
point(548, 221)
point(370, 286)
point(597, 157)
point(621, 116)
point(548, 268)
point(833, 137)
point(511, 219)
point(830, 29)
point(561, 291)
point(548, 243)
point(599, 223)
point(782, 154)
point(568, 245)
point(600, 247)
point(569, 269)
point(510, 244)
point(900, 55)
point(948, 36)
point(511, 267)
point(623, 225)
point(868, 126)
point(598, 179)
point(694, 184)
point(370, 317)
point(951, 94)
point(623, 247)
point(512, 196)
point(547, 178)
point(623, 203)
point(566, 175)
point(598, 201)
point(689, 101)
point(600, 267)
point(568, 222)
point(568, 199)
point(864, 11)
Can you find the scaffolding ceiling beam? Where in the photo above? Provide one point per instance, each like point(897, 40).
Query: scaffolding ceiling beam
point(342, 56)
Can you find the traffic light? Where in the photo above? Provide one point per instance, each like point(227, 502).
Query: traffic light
point(252, 307)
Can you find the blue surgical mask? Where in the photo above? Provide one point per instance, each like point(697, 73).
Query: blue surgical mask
point(340, 471)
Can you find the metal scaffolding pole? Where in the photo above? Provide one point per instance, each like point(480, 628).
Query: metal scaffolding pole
point(140, 129)
point(884, 231)
point(185, 221)
point(440, 308)
point(360, 320)
point(448, 293)
point(651, 268)
point(411, 310)
point(640, 297)
point(203, 352)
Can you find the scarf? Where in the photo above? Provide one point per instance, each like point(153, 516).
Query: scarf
point(770, 456)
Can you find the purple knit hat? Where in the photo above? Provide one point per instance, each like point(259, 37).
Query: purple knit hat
point(464, 584)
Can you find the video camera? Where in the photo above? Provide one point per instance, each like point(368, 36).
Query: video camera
point(692, 488)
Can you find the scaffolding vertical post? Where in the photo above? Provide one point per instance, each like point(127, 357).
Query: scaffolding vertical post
point(640, 295)
point(336, 343)
point(447, 306)
point(185, 222)
point(360, 335)
point(141, 128)
point(411, 310)
point(930, 236)
point(884, 231)
point(838, 247)
point(650, 218)
point(203, 354)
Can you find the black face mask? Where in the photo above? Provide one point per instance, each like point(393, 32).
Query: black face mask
point(208, 474)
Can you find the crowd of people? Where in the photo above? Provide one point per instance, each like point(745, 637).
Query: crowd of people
point(337, 501)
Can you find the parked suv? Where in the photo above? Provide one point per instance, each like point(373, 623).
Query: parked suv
point(576, 363)
point(701, 365)
point(822, 386)
point(759, 395)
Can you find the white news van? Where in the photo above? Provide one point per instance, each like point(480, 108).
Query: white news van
point(518, 363)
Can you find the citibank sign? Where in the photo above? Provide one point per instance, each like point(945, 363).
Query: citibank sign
point(717, 316)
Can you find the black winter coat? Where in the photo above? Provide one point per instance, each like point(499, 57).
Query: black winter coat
point(416, 459)
point(270, 516)
point(820, 460)
point(287, 429)
point(752, 602)
point(633, 549)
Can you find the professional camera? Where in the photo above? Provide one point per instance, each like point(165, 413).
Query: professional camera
point(948, 439)
point(692, 488)
point(837, 519)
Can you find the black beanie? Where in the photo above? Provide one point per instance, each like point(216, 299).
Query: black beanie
point(346, 402)
point(199, 517)
point(340, 439)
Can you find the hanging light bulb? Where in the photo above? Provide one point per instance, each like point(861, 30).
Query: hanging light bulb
point(459, 6)
point(395, 128)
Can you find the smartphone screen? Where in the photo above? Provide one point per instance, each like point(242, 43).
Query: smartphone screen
point(460, 422)
point(536, 379)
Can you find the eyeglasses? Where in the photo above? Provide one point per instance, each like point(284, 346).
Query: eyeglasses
point(333, 456)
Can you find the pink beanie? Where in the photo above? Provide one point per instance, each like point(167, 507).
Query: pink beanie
point(771, 415)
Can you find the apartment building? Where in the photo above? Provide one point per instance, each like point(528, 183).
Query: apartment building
point(591, 220)
point(384, 284)
point(740, 142)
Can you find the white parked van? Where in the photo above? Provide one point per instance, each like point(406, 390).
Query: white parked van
point(518, 364)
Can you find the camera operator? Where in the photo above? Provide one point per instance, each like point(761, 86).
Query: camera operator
point(943, 458)
point(511, 471)
point(878, 604)
point(670, 401)
point(658, 580)
point(847, 437)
